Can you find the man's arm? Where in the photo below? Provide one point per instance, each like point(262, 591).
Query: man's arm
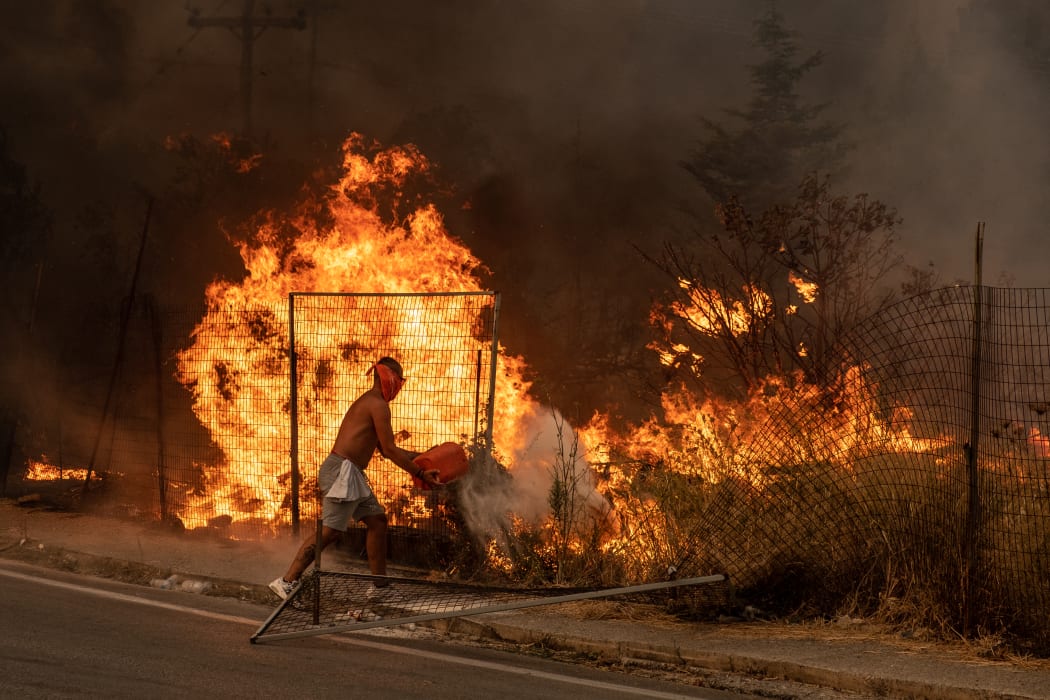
point(389, 448)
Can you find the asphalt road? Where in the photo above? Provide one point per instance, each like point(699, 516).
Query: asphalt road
point(72, 636)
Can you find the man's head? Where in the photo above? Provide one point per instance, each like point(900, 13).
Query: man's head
point(390, 377)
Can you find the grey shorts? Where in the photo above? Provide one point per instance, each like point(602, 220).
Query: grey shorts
point(338, 514)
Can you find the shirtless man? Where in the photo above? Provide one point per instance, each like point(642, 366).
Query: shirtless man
point(365, 427)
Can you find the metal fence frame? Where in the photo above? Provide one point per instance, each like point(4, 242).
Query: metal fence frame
point(482, 441)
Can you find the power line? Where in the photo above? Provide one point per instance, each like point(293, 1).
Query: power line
point(248, 27)
point(165, 64)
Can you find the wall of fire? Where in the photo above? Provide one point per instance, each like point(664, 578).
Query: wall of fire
point(194, 423)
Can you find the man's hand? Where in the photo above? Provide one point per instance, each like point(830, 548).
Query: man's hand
point(431, 477)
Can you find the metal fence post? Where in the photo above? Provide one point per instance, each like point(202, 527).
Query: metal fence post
point(293, 412)
point(477, 394)
point(973, 501)
point(158, 369)
point(491, 414)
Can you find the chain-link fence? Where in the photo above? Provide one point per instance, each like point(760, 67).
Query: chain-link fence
point(916, 485)
point(447, 345)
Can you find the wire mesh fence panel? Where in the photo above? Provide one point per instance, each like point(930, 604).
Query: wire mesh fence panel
point(326, 602)
point(235, 369)
point(445, 343)
point(914, 480)
point(132, 422)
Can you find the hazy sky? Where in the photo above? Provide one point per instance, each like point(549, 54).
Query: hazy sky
point(947, 113)
point(563, 122)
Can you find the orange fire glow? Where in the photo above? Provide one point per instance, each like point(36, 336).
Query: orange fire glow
point(807, 290)
point(360, 253)
point(729, 430)
point(1039, 442)
point(42, 470)
point(709, 312)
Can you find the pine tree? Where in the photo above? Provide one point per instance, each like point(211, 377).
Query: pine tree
point(780, 138)
point(791, 265)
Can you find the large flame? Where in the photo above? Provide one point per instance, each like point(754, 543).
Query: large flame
point(711, 313)
point(43, 470)
point(359, 250)
point(362, 248)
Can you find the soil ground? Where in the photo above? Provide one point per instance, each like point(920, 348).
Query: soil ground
point(846, 658)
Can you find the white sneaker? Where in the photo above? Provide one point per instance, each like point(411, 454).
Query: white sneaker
point(281, 588)
point(383, 594)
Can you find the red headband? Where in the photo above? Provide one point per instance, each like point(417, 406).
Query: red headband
point(389, 382)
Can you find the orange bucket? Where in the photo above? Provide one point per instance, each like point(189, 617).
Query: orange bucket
point(448, 458)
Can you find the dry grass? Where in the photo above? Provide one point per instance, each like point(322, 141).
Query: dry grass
point(879, 537)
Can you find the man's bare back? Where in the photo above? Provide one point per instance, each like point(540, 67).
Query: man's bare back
point(358, 436)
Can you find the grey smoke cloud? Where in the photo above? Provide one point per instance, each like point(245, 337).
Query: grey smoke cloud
point(949, 129)
point(492, 505)
point(938, 96)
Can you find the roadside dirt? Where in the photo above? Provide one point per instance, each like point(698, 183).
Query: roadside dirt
point(141, 556)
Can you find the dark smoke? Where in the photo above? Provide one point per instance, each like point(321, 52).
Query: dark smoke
point(557, 126)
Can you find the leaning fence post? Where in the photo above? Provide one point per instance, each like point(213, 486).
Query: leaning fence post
point(125, 318)
point(318, 546)
point(158, 371)
point(491, 413)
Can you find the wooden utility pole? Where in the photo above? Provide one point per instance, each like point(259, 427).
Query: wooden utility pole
point(248, 27)
point(311, 106)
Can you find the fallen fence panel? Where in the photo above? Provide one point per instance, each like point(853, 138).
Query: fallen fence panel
point(327, 602)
